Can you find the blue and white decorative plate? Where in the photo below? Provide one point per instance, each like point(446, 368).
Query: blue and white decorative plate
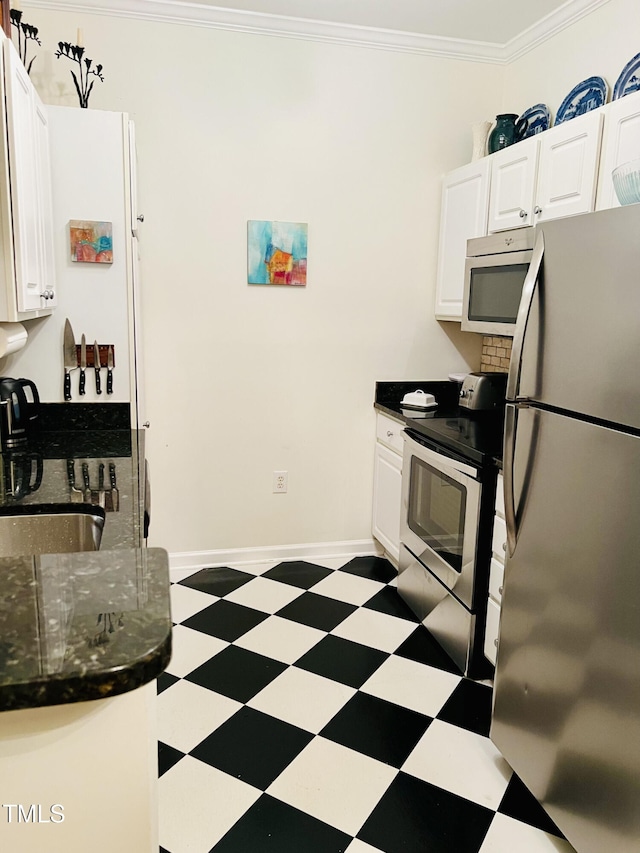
point(629, 79)
point(532, 121)
point(586, 96)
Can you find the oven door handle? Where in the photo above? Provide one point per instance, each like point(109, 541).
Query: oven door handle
point(440, 460)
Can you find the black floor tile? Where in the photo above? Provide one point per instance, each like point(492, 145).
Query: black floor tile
point(373, 568)
point(165, 680)
point(341, 660)
point(414, 816)
point(377, 728)
point(469, 707)
point(237, 673)
point(317, 611)
point(219, 581)
point(271, 826)
point(252, 747)
point(518, 802)
point(167, 757)
point(226, 620)
point(388, 601)
point(298, 573)
point(421, 647)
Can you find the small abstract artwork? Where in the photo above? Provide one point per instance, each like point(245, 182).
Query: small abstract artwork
point(91, 242)
point(277, 252)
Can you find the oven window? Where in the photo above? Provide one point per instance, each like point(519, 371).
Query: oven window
point(494, 292)
point(436, 511)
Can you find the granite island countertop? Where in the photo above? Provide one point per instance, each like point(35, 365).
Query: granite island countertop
point(82, 626)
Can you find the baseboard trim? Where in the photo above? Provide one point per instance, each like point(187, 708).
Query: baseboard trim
point(195, 560)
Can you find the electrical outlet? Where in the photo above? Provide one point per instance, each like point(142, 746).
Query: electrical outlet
point(280, 480)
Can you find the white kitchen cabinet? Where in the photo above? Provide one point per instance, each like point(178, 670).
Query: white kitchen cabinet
point(387, 485)
point(550, 175)
point(568, 168)
point(463, 214)
point(496, 576)
point(620, 144)
point(27, 289)
point(513, 182)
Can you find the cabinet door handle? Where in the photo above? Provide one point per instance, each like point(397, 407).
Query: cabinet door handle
point(389, 433)
point(523, 213)
point(537, 209)
point(500, 588)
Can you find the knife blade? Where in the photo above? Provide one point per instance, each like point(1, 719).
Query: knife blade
point(83, 364)
point(70, 357)
point(110, 370)
point(96, 364)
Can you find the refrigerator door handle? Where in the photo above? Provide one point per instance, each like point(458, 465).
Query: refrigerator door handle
point(507, 473)
point(528, 291)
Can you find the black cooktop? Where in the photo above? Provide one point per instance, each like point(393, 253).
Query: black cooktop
point(476, 436)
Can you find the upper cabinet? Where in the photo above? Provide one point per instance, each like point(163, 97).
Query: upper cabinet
point(547, 176)
point(621, 143)
point(27, 288)
point(465, 202)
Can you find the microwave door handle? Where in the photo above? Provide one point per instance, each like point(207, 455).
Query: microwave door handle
point(526, 301)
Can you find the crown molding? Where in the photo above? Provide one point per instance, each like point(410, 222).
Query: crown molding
point(237, 20)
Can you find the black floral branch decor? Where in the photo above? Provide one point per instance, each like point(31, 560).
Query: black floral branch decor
point(86, 70)
point(26, 33)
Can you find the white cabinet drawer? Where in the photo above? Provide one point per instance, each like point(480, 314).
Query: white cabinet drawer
point(492, 632)
point(500, 496)
point(499, 541)
point(389, 432)
point(496, 579)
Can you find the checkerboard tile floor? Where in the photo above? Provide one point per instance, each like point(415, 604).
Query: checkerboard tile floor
point(306, 711)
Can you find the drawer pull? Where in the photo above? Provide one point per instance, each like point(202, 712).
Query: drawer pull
point(500, 589)
point(504, 546)
point(495, 642)
point(389, 433)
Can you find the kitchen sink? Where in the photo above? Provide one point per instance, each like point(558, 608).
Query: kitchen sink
point(50, 529)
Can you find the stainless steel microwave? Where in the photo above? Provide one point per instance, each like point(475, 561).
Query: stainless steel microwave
point(495, 271)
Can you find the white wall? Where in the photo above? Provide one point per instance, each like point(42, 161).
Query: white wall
point(599, 44)
point(242, 381)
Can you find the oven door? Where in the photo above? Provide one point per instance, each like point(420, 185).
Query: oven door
point(440, 510)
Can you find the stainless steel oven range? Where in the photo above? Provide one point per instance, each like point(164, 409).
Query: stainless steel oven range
point(446, 524)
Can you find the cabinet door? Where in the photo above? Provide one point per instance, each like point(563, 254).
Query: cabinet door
point(621, 143)
point(513, 177)
point(45, 211)
point(463, 214)
point(568, 168)
point(24, 177)
point(387, 499)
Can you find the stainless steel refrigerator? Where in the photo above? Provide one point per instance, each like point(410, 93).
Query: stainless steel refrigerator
point(566, 710)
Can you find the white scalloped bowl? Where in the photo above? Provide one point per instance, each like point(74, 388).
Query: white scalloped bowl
point(626, 182)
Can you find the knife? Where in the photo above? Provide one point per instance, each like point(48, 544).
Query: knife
point(83, 364)
point(70, 358)
point(110, 370)
point(96, 364)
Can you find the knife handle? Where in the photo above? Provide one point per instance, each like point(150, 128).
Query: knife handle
point(82, 382)
point(109, 381)
point(98, 388)
point(67, 385)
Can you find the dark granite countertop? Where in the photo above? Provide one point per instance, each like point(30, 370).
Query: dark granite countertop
point(81, 626)
point(474, 435)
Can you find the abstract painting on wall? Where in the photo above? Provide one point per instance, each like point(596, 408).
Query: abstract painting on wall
point(277, 252)
point(91, 242)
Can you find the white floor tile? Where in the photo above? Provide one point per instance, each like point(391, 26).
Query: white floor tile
point(349, 588)
point(190, 649)
point(330, 562)
point(357, 846)
point(264, 594)
point(302, 699)
point(412, 685)
point(176, 575)
point(376, 630)
point(187, 713)
point(506, 834)
point(186, 602)
point(192, 817)
point(462, 762)
point(334, 784)
point(255, 568)
point(281, 639)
